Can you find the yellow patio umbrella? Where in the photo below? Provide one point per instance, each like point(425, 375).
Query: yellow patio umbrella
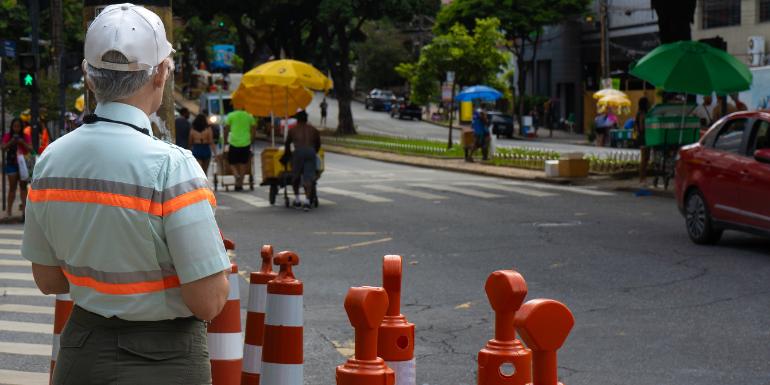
point(265, 100)
point(621, 103)
point(608, 92)
point(287, 73)
point(80, 103)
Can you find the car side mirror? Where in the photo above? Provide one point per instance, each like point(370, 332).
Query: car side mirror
point(763, 155)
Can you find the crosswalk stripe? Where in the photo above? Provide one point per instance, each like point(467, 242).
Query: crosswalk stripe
point(15, 377)
point(25, 349)
point(25, 327)
point(21, 291)
point(325, 202)
point(6, 241)
point(249, 199)
point(10, 252)
point(411, 193)
point(11, 231)
point(517, 190)
point(29, 309)
point(574, 189)
point(355, 195)
point(15, 262)
point(17, 276)
point(457, 190)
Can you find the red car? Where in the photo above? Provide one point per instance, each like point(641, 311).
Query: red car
point(723, 181)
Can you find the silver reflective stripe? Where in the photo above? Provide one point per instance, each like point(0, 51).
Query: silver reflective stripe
point(166, 270)
point(183, 188)
point(99, 185)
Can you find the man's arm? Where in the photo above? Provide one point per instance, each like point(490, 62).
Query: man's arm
point(207, 296)
point(50, 279)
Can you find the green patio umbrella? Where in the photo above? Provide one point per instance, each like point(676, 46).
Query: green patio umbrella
point(694, 68)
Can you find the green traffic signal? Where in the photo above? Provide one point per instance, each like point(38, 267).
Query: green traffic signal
point(221, 24)
point(27, 79)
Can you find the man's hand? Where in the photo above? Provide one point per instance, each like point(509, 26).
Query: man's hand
point(207, 296)
point(50, 279)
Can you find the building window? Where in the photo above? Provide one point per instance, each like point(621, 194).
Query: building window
point(721, 13)
point(764, 10)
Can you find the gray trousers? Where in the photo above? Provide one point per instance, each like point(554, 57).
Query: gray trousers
point(97, 350)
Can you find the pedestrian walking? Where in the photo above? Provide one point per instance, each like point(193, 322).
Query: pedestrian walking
point(124, 223)
point(639, 128)
point(182, 126)
point(240, 128)
point(304, 158)
point(481, 135)
point(201, 141)
point(16, 146)
point(323, 106)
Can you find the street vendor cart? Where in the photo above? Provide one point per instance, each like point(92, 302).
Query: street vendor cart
point(666, 130)
point(278, 175)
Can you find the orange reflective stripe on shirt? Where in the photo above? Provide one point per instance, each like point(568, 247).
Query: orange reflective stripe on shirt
point(189, 198)
point(123, 288)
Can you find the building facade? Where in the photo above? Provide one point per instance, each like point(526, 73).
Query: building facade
point(741, 26)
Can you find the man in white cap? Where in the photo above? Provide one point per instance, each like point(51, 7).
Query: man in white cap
point(124, 223)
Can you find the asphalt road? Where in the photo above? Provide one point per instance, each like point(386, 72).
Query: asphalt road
point(379, 122)
point(650, 307)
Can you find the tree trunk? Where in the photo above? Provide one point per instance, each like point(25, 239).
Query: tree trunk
point(451, 117)
point(522, 83)
point(341, 76)
point(674, 18)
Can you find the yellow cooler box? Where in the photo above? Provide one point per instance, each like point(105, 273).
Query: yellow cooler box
point(272, 167)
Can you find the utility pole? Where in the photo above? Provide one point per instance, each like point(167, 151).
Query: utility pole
point(34, 18)
point(58, 54)
point(605, 46)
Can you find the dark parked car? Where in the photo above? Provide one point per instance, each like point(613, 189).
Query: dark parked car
point(379, 100)
point(403, 108)
point(723, 181)
point(502, 124)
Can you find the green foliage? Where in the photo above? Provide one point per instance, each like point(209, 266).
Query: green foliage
point(378, 56)
point(474, 58)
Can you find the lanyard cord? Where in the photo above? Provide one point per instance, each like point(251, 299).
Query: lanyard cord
point(92, 118)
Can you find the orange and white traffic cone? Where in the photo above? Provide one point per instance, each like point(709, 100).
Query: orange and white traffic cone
point(366, 307)
point(62, 311)
point(255, 318)
point(224, 337)
point(282, 354)
point(505, 360)
point(395, 343)
point(544, 325)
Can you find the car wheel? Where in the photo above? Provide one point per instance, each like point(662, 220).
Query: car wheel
point(700, 225)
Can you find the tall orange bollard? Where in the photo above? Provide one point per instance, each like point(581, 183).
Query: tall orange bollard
point(224, 337)
point(544, 325)
point(282, 354)
point(395, 343)
point(62, 311)
point(505, 360)
point(366, 307)
point(255, 318)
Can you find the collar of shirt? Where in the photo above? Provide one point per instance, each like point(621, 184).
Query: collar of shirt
point(123, 113)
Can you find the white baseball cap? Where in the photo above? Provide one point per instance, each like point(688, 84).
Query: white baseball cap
point(132, 30)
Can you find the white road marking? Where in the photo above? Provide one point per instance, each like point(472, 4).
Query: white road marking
point(411, 193)
point(574, 189)
point(15, 377)
point(361, 244)
point(20, 291)
point(517, 190)
point(11, 232)
point(248, 199)
point(10, 252)
point(14, 308)
point(457, 190)
point(361, 233)
point(17, 276)
point(15, 262)
point(25, 349)
point(354, 194)
point(6, 241)
point(325, 202)
point(25, 327)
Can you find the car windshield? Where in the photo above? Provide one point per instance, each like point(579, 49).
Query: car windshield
point(501, 118)
point(386, 94)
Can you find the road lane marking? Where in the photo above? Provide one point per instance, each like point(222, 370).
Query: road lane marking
point(574, 189)
point(411, 193)
point(325, 202)
point(21, 291)
point(355, 195)
point(15, 262)
point(361, 244)
point(517, 190)
point(25, 349)
point(457, 190)
point(13, 242)
point(17, 276)
point(30, 309)
point(361, 233)
point(249, 199)
point(10, 252)
point(15, 377)
point(11, 232)
point(25, 327)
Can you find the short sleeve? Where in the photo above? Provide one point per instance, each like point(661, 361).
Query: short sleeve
point(228, 118)
point(35, 246)
point(192, 234)
point(252, 121)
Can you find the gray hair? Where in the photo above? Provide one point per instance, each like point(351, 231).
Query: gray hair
point(110, 85)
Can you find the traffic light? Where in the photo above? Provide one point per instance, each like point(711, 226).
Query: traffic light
point(221, 24)
point(27, 80)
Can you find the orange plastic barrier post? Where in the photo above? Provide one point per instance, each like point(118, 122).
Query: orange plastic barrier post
point(282, 355)
point(544, 325)
point(62, 311)
point(224, 336)
point(366, 307)
point(505, 360)
point(395, 343)
point(255, 318)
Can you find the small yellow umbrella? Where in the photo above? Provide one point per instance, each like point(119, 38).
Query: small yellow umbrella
point(608, 92)
point(621, 103)
point(80, 103)
point(287, 73)
point(265, 100)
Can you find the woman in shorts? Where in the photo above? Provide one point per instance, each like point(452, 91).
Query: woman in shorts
point(15, 143)
point(202, 141)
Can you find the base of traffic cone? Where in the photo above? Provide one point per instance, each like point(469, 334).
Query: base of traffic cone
point(226, 372)
point(360, 372)
point(498, 353)
point(250, 379)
